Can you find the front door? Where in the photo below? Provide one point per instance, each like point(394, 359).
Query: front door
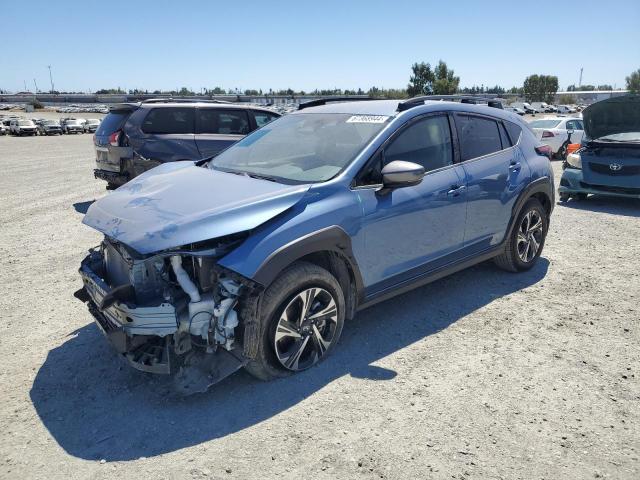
point(409, 231)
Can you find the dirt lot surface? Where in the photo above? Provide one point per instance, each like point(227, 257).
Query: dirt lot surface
point(482, 375)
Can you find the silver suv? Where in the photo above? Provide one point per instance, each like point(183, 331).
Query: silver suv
point(135, 137)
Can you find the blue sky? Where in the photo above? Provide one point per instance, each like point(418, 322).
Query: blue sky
point(307, 45)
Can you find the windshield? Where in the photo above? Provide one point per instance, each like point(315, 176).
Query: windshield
point(51, 122)
point(25, 123)
point(301, 148)
point(544, 123)
point(73, 122)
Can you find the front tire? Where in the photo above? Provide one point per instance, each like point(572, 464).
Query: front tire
point(301, 319)
point(525, 244)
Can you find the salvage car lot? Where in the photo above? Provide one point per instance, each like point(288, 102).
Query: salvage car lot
point(483, 374)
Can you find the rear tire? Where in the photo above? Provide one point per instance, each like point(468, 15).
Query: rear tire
point(526, 241)
point(290, 339)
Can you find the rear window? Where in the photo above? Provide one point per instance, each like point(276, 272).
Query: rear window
point(544, 123)
point(169, 120)
point(112, 122)
point(223, 122)
point(478, 136)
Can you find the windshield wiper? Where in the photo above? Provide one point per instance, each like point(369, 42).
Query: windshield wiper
point(261, 177)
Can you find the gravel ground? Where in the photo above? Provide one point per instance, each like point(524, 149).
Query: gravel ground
point(484, 374)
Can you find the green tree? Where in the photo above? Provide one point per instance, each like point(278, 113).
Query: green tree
point(633, 82)
point(606, 86)
point(446, 83)
point(421, 82)
point(540, 88)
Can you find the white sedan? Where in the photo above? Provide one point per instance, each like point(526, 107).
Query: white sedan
point(554, 132)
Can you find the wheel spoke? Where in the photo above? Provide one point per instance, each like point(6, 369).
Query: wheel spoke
point(307, 297)
point(328, 311)
point(320, 343)
point(535, 245)
point(536, 226)
point(522, 238)
point(292, 360)
point(286, 329)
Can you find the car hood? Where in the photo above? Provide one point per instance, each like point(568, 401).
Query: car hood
point(178, 203)
point(611, 116)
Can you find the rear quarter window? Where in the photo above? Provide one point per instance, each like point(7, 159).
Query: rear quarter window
point(169, 120)
point(262, 118)
point(514, 131)
point(112, 122)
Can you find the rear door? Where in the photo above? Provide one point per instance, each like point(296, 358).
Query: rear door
point(166, 135)
point(496, 173)
point(217, 128)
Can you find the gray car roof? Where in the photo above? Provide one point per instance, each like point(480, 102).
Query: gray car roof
point(390, 108)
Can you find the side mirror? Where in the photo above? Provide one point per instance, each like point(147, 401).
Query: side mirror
point(398, 174)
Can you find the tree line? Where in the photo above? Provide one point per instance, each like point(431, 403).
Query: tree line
point(423, 80)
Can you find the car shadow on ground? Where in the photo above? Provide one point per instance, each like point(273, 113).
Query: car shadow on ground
point(629, 207)
point(97, 407)
point(82, 207)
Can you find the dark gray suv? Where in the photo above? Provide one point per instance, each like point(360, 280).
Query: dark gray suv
point(135, 137)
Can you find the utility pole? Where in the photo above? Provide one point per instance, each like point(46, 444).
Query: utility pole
point(580, 81)
point(35, 84)
point(51, 78)
point(25, 85)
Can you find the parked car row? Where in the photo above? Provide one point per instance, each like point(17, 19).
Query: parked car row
point(15, 125)
point(522, 108)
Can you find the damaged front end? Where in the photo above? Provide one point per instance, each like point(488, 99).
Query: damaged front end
point(174, 312)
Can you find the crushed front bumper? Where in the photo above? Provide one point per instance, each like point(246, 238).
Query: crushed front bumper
point(124, 324)
point(572, 182)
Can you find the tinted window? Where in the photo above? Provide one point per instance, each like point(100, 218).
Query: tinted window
point(223, 122)
point(504, 138)
point(169, 120)
point(478, 136)
point(262, 118)
point(514, 132)
point(112, 122)
point(427, 143)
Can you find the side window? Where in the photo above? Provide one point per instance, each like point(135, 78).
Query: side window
point(169, 120)
point(426, 142)
point(504, 138)
point(223, 122)
point(574, 125)
point(478, 136)
point(514, 132)
point(262, 118)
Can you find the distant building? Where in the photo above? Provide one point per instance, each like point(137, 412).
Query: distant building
point(592, 96)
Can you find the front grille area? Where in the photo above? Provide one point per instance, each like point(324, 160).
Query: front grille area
point(606, 188)
point(604, 169)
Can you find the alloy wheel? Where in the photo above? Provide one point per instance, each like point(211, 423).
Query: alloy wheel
point(530, 234)
point(306, 329)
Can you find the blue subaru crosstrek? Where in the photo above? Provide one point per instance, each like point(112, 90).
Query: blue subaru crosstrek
point(257, 257)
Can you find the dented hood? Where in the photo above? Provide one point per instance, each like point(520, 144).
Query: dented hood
point(179, 203)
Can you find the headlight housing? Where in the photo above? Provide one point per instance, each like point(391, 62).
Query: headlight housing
point(574, 160)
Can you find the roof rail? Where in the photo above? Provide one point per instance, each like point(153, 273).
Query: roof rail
point(182, 100)
point(416, 101)
point(324, 101)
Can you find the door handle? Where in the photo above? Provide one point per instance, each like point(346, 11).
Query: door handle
point(515, 166)
point(456, 190)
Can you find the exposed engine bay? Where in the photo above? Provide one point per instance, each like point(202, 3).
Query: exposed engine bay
point(174, 312)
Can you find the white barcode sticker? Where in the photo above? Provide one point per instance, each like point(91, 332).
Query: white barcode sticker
point(367, 119)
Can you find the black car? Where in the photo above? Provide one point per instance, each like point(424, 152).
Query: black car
point(135, 137)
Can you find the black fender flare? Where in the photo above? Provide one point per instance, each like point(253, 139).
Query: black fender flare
point(330, 239)
point(540, 185)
